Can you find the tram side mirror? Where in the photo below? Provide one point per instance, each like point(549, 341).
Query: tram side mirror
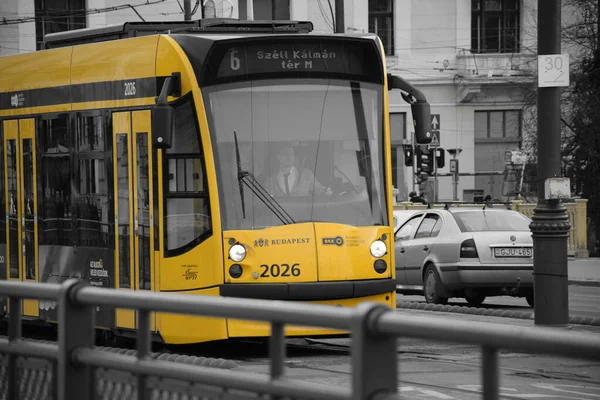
point(163, 121)
point(163, 126)
point(421, 114)
point(420, 109)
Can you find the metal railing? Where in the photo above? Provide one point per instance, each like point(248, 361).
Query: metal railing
point(374, 330)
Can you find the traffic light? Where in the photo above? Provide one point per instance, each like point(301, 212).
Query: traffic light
point(425, 160)
point(408, 154)
point(440, 157)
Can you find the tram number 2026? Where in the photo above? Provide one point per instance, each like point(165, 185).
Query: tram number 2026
point(275, 270)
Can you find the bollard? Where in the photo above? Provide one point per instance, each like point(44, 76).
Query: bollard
point(374, 357)
point(76, 329)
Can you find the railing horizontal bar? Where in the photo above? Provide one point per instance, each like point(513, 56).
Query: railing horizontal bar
point(29, 290)
point(221, 307)
point(528, 339)
point(25, 348)
point(210, 376)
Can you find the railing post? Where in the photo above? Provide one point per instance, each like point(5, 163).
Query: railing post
point(277, 352)
point(14, 334)
point(490, 373)
point(581, 250)
point(374, 356)
point(144, 346)
point(76, 329)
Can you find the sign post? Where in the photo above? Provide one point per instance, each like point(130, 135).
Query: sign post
point(550, 224)
point(435, 143)
point(454, 170)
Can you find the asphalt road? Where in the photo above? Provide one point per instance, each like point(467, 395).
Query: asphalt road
point(584, 301)
point(429, 370)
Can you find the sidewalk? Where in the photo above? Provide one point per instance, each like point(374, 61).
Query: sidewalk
point(584, 271)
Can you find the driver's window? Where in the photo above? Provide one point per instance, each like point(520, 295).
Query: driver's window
point(405, 232)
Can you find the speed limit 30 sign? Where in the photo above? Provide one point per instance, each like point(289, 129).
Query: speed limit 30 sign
point(553, 70)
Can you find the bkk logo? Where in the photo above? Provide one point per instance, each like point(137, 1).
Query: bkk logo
point(338, 241)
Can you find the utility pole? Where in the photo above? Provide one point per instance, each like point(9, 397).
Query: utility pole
point(550, 226)
point(339, 16)
point(187, 10)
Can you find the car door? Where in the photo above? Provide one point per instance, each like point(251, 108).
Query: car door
point(420, 247)
point(403, 236)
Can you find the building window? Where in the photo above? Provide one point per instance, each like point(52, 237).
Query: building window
point(53, 16)
point(262, 10)
point(398, 127)
point(498, 124)
point(381, 22)
point(398, 134)
point(495, 26)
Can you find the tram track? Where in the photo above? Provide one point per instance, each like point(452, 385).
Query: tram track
point(425, 356)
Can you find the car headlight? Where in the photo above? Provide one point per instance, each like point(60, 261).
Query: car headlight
point(378, 249)
point(237, 252)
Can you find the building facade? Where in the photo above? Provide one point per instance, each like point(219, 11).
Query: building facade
point(475, 60)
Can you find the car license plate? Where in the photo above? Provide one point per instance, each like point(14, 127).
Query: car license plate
point(513, 252)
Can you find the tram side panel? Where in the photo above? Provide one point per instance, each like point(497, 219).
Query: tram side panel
point(190, 251)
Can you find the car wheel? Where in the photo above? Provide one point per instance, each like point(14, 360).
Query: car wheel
point(529, 298)
point(432, 287)
point(475, 301)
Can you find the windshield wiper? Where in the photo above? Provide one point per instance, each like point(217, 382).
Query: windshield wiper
point(239, 174)
point(248, 179)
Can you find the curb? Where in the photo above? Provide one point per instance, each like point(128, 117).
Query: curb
point(487, 312)
point(585, 282)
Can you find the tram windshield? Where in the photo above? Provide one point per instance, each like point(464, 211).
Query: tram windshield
point(310, 147)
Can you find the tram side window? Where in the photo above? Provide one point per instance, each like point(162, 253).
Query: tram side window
point(91, 198)
point(56, 224)
point(187, 211)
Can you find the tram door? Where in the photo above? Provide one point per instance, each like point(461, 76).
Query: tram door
point(21, 205)
point(134, 220)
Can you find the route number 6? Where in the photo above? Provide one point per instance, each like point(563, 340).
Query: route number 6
point(234, 61)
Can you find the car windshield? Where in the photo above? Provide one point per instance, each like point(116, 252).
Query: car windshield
point(483, 221)
point(314, 146)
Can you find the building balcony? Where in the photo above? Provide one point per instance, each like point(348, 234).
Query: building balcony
point(473, 65)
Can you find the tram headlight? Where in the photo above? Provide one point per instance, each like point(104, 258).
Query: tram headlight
point(378, 249)
point(237, 252)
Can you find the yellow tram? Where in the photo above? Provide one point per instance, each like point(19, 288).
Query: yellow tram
point(218, 159)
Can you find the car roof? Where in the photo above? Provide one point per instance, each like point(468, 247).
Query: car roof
point(471, 209)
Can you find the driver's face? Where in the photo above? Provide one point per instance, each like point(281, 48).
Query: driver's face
point(286, 156)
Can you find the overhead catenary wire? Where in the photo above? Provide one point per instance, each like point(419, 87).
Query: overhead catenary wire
point(83, 12)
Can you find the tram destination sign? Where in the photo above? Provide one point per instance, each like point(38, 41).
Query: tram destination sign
point(308, 58)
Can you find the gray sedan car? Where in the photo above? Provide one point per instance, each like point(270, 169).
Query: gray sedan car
point(465, 252)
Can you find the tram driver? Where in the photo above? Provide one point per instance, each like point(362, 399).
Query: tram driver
point(290, 180)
